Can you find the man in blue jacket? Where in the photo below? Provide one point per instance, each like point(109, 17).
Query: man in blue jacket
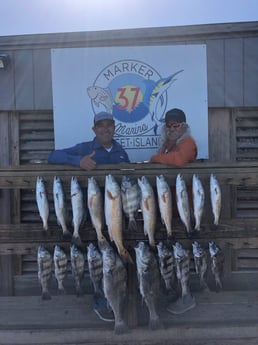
point(103, 149)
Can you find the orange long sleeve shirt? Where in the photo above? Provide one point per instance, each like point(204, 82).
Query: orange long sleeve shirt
point(184, 152)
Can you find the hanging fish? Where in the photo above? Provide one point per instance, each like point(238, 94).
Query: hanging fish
point(148, 207)
point(198, 201)
point(60, 205)
point(115, 286)
point(131, 197)
point(42, 201)
point(77, 265)
point(167, 266)
point(201, 265)
point(44, 260)
point(217, 263)
point(215, 194)
point(148, 281)
point(77, 209)
point(95, 265)
point(183, 202)
point(165, 203)
point(95, 206)
point(60, 263)
point(186, 301)
point(113, 216)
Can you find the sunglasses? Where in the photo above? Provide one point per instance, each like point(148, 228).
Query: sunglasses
point(173, 124)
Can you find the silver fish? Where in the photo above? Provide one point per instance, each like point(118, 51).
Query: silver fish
point(167, 266)
point(95, 206)
point(42, 201)
point(215, 194)
point(148, 280)
point(200, 261)
point(148, 207)
point(95, 265)
point(183, 202)
point(60, 205)
point(77, 208)
point(77, 265)
point(44, 260)
point(131, 195)
point(60, 263)
point(115, 286)
point(198, 201)
point(165, 203)
point(113, 216)
point(217, 263)
point(182, 261)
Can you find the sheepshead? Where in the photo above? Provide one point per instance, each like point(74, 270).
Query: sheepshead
point(165, 203)
point(182, 261)
point(113, 216)
point(200, 261)
point(215, 194)
point(148, 281)
point(42, 201)
point(183, 202)
point(60, 263)
point(148, 207)
point(167, 266)
point(217, 263)
point(131, 194)
point(95, 266)
point(198, 201)
point(95, 206)
point(115, 286)
point(60, 205)
point(77, 208)
point(44, 260)
point(77, 265)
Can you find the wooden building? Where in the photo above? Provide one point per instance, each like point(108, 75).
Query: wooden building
point(27, 137)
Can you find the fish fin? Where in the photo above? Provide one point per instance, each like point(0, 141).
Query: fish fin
point(146, 204)
point(110, 195)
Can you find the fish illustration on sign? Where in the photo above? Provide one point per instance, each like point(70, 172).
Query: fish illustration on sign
point(100, 95)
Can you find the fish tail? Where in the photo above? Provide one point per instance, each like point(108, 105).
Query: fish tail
point(46, 295)
point(120, 327)
point(132, 226)
point(126, 257)
point(45, 225)
point(155, 324)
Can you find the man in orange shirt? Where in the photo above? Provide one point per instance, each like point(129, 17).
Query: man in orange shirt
point(178, 147)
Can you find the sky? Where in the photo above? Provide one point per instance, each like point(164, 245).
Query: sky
point(20, 17)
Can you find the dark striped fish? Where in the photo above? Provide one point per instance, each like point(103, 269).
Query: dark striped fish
point(44, 260)
point(182, 261)
point(148, 280)
point(217, 263)
point(77, 265)
point(115, 286)
point(167, 265)
point(60, 263)
point(200, 261)
point(131, 197)
point(95, 266)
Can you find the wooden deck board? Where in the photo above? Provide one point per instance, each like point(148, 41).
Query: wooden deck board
point(231, 315)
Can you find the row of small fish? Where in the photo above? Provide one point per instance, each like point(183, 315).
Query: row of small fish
point(171, 267)
point(45, 268)
point(132, 195)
